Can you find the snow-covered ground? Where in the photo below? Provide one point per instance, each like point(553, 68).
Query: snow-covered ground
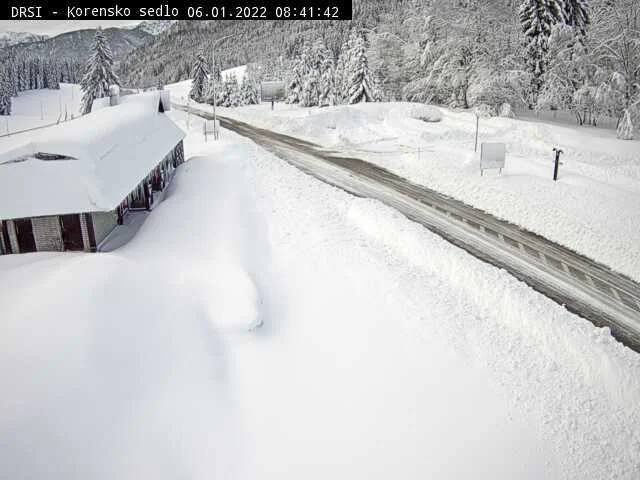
point(594, 207)
point(35, 108)
point(385, 352)
point(180, 90)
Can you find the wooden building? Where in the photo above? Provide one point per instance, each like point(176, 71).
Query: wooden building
point(68, 186)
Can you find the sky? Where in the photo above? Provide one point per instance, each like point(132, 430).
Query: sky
point(54, 27)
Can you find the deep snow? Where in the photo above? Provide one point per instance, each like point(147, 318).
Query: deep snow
point(593, 209)
point(385, 351)
point(35, 108)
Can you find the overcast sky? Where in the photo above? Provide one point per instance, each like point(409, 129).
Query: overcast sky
point(54, 27)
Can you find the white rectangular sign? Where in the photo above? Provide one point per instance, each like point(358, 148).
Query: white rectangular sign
point(271, 90)
point(492, 155)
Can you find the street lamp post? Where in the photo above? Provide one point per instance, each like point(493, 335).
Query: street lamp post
point(213, 79)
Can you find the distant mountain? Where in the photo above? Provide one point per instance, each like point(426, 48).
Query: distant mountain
point(8, 39)
point(155, 27)
point(76, 44)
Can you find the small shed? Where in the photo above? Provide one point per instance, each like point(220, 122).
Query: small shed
point(66, 187)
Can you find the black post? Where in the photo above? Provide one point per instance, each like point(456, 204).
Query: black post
point(556, 163)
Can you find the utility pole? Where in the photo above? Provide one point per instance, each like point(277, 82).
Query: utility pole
point(475, 148)
point(556, 163)
point(188, 111)
point(213, 79)
point(213, 83)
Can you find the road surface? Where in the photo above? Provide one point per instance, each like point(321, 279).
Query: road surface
point(583, 286)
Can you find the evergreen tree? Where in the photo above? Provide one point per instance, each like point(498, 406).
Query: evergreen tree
point(199, 83)
point(362, 86)
point(5, 93)
point(248, 92)
point(326, 74)
point(317, 86)
point(576, 15)
point(625, 128)
point(13, 78)
point(537, 17)
point(24, 75)
point(310, 78)
point(99, 74)
point(297, 79)
point(340, 77)
point(52, 75)
point(230, 92)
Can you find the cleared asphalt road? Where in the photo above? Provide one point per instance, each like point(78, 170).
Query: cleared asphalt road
point(585, 287)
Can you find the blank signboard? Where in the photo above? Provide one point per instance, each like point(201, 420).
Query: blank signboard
point(492, 156)
point(272, 90)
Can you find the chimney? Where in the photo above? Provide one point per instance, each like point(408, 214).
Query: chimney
point(165, 100)
point(114, 95)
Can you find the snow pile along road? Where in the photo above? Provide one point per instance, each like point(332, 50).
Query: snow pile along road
point(592, 208)
point(384, 351)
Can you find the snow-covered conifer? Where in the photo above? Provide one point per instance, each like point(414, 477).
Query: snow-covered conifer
point(340, 77)
point(5, 93)
point(537, 18)
point(99, 74)
point(248, 92)
point(576, 14)
point(625, 128)
point(199, 82)
point(362, 86)
point(326, 69)
point(229, 94)
point(297, 78)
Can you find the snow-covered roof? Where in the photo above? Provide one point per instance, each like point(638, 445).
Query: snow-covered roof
point(88, 164)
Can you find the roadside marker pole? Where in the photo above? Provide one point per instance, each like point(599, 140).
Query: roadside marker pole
point(475, 149)
point(556, 163)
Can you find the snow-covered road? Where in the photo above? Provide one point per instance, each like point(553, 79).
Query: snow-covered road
point(585, 287)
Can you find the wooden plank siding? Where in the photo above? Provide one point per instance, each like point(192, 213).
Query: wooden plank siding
point(47, 233)
point(13, 239)
point(84, 230)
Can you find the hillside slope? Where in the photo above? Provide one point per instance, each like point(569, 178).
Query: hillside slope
point(168, 57)
point(76, 44)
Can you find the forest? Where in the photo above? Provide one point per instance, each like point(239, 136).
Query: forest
point(580, 56)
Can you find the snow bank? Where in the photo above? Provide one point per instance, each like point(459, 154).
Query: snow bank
point(119, 369)
point(592, 208)
point(385, 351)
point(36, 108)
point(426, 113)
